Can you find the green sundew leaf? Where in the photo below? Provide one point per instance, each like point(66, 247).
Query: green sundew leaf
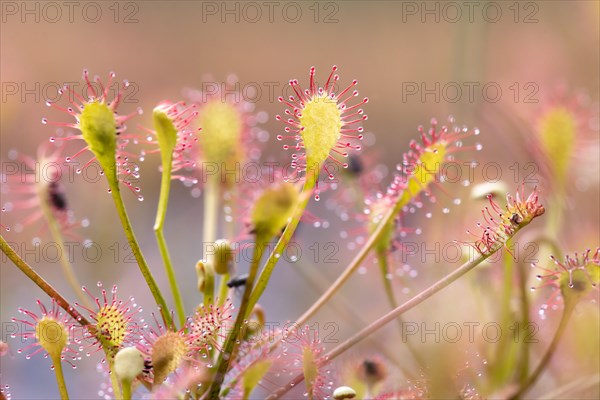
point(253, 375)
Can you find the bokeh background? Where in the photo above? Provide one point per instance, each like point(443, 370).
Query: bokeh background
point(529, 51)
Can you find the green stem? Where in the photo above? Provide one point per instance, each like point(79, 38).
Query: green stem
point(164, 252)
point(223, 289)
point(227, 354)
point(43, 284)
point(505, 311)
point(161, 213)
point(392, 315)
point(126, 385)
point(60, 379)
point(137, 252)
point(114, 381)
point(389, 291)
point(556, 210)
point(523, 365)
point(229, 234)
point(504, 350)
point(564, 320)
point(209, 285)
point(265, 275)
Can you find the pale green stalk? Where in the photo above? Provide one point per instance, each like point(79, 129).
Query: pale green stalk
point(161, 214)
point(60, 379)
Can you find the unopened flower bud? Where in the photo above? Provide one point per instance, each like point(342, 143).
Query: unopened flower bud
point(344, 392)
point(129, 363)
point(223, 256)
point(496, 189)
point(206, 276)
point(273, 209)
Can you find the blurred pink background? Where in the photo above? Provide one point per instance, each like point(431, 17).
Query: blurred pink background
point(163, 47)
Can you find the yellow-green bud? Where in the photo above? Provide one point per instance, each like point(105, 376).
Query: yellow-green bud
point(206, 275)
point(223, 256)
point(273, 209)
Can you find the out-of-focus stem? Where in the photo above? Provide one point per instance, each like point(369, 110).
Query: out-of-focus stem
point(356, 262)
point(564, 321)
point(389, 291)
point(64, 262)
point(523, 364)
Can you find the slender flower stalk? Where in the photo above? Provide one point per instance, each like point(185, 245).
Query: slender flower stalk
point(60, 379)
point(523, 362)
point(389, 292)
point(532, 379)
point(137, 252)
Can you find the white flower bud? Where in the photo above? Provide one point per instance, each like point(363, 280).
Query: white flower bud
point(344, 392)
point(129, 363)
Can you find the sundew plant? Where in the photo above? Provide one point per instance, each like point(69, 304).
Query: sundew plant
point(283, 256)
